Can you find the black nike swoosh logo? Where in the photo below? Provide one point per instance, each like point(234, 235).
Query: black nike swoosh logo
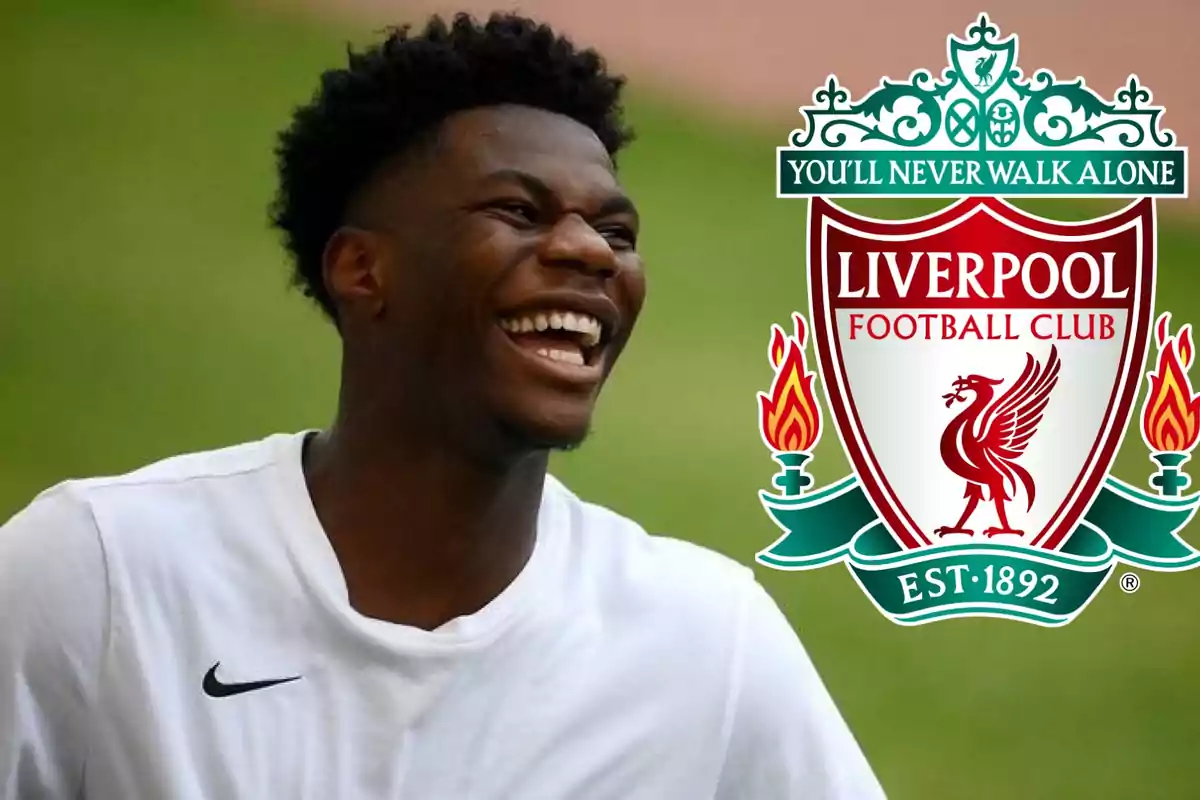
point(214, 688)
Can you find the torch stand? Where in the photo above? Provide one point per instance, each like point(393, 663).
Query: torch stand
point(1169, 479)
point(793, 480)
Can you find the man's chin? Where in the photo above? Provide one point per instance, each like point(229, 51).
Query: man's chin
point(543, 433)
point(560, 439)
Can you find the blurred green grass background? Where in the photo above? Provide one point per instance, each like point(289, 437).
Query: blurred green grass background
point(144, 311)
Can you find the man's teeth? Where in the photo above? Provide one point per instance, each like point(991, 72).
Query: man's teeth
point(584, 324)
point(569, 356)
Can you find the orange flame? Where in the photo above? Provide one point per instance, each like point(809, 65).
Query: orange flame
point(789, 416)
point(1171, 414)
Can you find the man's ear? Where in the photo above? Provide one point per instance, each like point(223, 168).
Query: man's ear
point(353, 268)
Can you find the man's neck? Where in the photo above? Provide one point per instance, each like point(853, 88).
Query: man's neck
point(423, 535)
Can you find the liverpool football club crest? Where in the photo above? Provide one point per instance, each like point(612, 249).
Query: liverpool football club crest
point(981, 364)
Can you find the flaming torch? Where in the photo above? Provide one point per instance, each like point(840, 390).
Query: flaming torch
point(788, 416)
point(1171, 414)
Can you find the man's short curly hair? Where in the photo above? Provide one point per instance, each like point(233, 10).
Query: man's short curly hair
point(392, 94)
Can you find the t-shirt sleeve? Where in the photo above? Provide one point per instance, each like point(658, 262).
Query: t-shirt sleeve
point(53, 614)
point(787, 739)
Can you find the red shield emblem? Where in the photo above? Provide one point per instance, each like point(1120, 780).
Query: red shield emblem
point(981, 363)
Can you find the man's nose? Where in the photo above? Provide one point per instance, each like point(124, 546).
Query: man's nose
point(574, 243)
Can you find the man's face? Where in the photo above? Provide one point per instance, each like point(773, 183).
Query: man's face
point(509, 277)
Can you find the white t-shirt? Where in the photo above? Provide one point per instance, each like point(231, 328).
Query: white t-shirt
point(617, 666)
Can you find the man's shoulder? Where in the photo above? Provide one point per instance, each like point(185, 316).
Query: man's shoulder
point(221, 462)
point(146, 502)
point(619, 553)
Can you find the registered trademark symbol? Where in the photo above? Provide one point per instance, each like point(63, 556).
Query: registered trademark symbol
point(1130, 583)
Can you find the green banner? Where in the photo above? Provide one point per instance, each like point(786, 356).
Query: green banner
point(944, 173)
point(1123, 525)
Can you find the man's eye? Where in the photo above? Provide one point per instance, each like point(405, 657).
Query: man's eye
point(517, 209)
point(619, 236)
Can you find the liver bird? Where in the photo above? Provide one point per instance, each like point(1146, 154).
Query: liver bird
point(983, 69)
point(983, 442)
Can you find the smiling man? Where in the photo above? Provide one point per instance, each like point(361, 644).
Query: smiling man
point(406, 604)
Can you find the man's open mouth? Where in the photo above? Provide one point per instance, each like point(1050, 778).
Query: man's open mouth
point(569, 337)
